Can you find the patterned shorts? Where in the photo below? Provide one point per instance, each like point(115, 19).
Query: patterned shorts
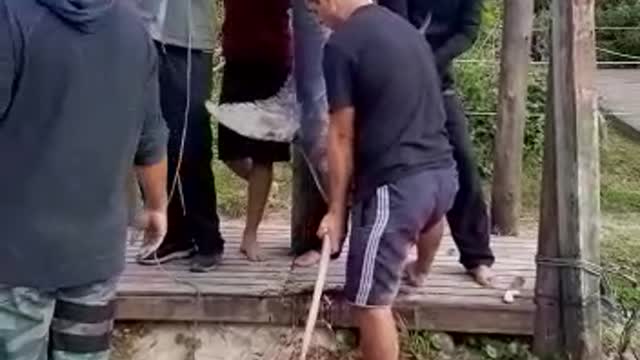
point(68, 324)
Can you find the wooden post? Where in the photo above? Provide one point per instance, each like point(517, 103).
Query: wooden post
point(512, 113)
point(576, 184)
point(548, 323)
point(308, 208)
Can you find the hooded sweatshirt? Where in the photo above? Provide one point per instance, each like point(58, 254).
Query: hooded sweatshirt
point(78, 107)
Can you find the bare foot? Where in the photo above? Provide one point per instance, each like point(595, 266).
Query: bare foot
point(251, 249)
point(415, 277)
point(307, 259)
point(482, 275)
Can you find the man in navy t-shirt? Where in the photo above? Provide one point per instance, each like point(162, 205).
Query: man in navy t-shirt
point(387, 137)
point(451, 27)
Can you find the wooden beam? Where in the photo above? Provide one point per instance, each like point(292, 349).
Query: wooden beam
point(576, 184)
point(548, 325)
point(308, 208)
point(512, 113)
point(292, 310)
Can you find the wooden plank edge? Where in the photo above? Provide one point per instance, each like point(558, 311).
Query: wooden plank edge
point(288, 311)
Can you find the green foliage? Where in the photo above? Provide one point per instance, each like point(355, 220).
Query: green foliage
point(618, 13)
point(610, 14)
point(477, 76)
point(499, 349)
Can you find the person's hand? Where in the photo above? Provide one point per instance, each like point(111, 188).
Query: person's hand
point(154, 225)
point(332, 226)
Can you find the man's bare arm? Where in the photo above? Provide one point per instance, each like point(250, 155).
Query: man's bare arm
point(153, 180)
point(340, 153)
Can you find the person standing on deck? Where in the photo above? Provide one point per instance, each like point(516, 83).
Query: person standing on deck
point(256, 42)
point(79, 106)
point(185, 39)
point(387, 137)
point(451, 27)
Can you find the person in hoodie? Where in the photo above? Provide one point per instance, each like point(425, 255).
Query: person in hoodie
point(184, 37)
point(451, 27)
point(79, 106)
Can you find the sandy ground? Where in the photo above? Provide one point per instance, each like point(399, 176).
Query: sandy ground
point(215, 342)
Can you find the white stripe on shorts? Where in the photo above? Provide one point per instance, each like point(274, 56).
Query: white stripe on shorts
point(373, 243)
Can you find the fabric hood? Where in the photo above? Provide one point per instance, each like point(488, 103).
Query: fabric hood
point(82, 14)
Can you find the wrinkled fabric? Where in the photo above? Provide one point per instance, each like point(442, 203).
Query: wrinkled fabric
point(298, 112)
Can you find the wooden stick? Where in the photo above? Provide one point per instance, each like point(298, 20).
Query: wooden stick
point(317, 295)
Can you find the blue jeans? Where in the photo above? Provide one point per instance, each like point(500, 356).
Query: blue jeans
point(66, 324)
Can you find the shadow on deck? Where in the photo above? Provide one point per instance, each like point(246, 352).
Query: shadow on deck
point(274, 293)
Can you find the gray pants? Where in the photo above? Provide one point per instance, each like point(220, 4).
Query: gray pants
point(67, 324)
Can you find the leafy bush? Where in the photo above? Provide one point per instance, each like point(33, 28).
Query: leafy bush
point(618, 13)
point(477, 77)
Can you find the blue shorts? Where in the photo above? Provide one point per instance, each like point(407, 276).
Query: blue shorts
point(385, 226)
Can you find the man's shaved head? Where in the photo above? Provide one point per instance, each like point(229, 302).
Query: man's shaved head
point(333, 12)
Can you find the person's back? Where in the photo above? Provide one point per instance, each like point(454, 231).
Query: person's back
point(79, 107)
point(68, 135)
point(398, 103)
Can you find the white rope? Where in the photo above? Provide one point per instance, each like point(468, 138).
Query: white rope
point(619, 54)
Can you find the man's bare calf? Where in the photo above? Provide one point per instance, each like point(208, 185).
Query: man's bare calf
point(428, 245)
point(378, 333)
point(259, 177)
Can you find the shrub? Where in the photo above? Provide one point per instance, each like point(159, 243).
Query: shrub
point(478, 82)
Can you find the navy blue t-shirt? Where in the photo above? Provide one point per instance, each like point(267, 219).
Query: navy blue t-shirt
point(380, 65)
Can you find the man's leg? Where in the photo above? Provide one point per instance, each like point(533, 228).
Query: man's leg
point(468, 219)
point(378, 333)
point(196, 174)
point(242, 168)
point(260, 179)
point(428, 244)
point(25, 318)
point(83, 322)
point(178, 243)
point(374, 269)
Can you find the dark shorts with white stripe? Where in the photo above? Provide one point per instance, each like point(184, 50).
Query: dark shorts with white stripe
point(65, 324)
point(385, 226)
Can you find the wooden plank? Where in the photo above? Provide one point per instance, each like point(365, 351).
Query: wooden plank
point(441, 316)
point(272, 292)
point(512, 113)
point(577, 168)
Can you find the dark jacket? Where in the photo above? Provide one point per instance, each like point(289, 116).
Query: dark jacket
point(78, 106)
point(452, 26)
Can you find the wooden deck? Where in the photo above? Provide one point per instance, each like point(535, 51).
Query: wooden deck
point(273, 293)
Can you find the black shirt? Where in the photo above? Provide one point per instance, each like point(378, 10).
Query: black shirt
point(450, 26)
point(379, 64)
